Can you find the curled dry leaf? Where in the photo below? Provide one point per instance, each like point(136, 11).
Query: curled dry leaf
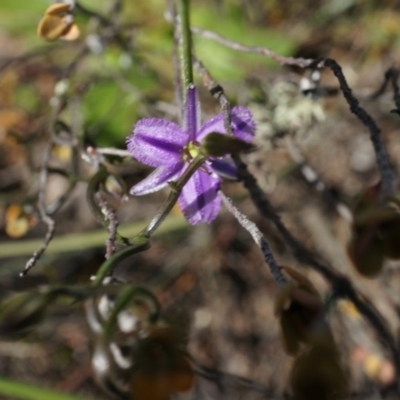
point(71, 33)
point(57, 9)
point(58, 23)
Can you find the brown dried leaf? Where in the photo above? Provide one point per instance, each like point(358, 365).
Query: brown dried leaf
point(57, 9)
point(51, 27)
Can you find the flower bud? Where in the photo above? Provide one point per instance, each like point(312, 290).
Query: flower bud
point(218, 145)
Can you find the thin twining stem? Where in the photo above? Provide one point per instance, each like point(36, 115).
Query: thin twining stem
point(51, 225)
point(311, 176)
point(217, 92)
point(381, 153)
point(107, 23)
point(391, 75)
point(139, 244)
point(341, 285)
point(113, 223)
point(92, 189)
point(258, 237)
point(300, 62)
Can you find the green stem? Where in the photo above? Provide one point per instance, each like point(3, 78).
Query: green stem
point(140, 244)
point(124, 298)
point(185, 45)
point(176, 188)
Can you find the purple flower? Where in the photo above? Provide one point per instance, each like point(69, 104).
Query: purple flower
point(169, 147)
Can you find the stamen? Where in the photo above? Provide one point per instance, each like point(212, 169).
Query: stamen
point(190, 151)
point(194, 149)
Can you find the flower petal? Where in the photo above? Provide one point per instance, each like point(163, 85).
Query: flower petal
point(224, 168)
point(191, 118)
point(243, 125)
point(199, 200)
point(157, 180)
point(156, 142)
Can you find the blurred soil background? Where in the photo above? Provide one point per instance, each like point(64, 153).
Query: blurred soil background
point(213, 280)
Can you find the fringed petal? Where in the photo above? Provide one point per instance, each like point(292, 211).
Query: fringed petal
point(157, 180)
point(156, 142)
point(224, 168)
point(243, 125)
point(199, 200)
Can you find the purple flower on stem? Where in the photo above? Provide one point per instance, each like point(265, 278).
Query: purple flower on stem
point(169, 147)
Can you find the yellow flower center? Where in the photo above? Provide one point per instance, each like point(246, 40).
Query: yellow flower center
point(191, 151)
